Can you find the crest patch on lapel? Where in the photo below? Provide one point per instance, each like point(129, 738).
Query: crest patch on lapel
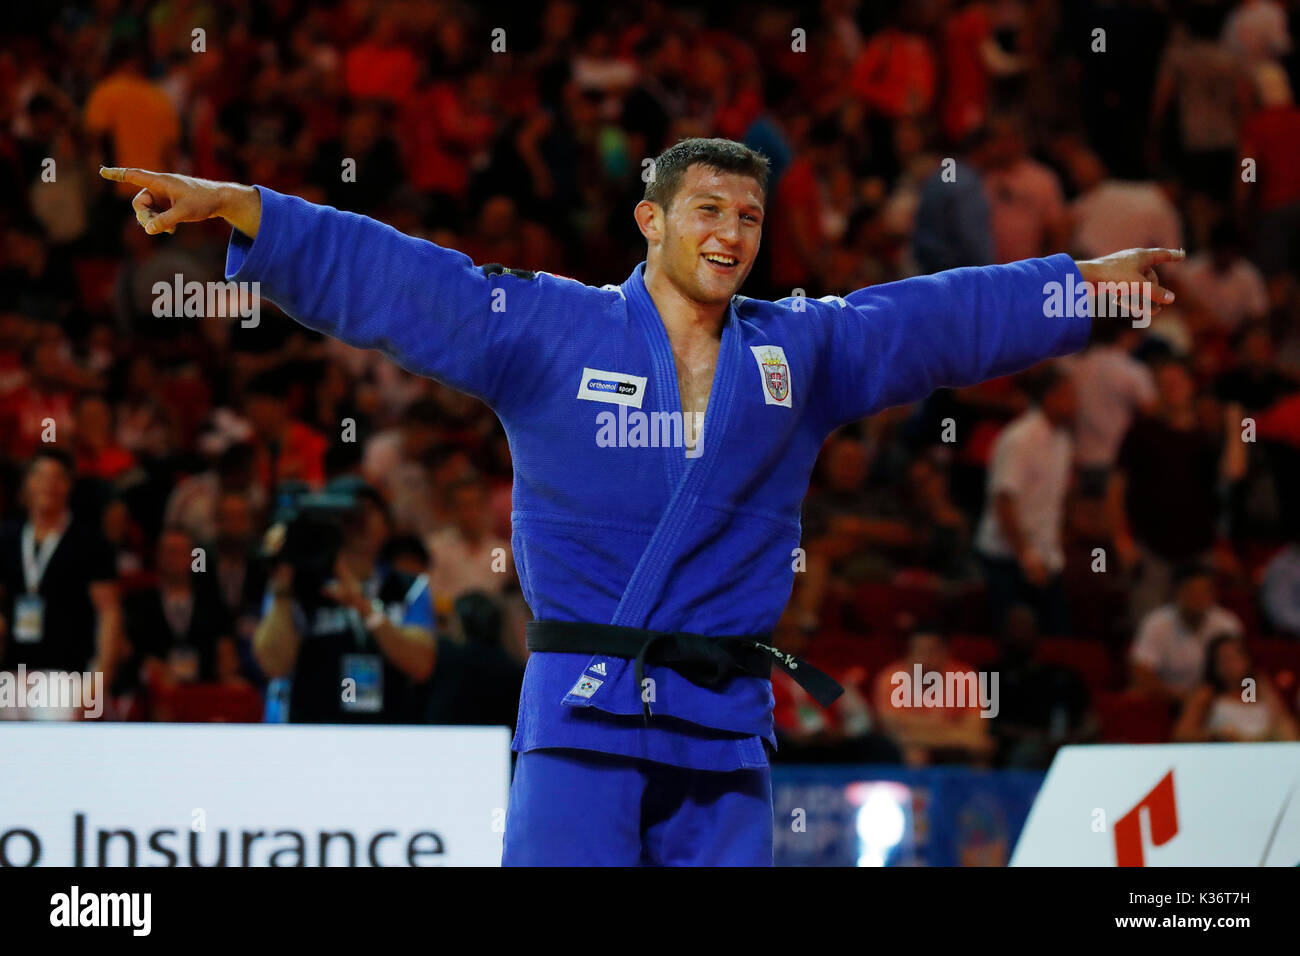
point(775, 373)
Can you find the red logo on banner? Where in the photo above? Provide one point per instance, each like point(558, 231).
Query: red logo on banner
point(1162, 817)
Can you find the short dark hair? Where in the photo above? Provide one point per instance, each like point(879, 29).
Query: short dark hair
point(404, 546)
point(235, 460)
point(723, 155)
point(1247, 330)
point(1039, 382)
point(1173, 361)
point(423, 411)
point(1191, 570)
point(1211, 658)
point(269, 383)
point(57, 455)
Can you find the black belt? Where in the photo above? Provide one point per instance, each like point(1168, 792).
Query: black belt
point(705, 661)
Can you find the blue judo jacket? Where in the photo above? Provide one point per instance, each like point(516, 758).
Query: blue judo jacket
point(612, 521)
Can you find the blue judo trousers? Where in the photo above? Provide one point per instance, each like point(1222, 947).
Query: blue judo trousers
point(613, 523)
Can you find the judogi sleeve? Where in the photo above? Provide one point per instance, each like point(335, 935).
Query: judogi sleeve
point(894, 344)
point(429, 309)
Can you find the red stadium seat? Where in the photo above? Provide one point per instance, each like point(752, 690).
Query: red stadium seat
point(1096, 611)
point(1279, 658)
point(840, 652)
point(1089, 658)
point(974, 649)
point(895, 608)
point(1255, 555)
point(95, 278)
point(970, 604)
point(208, 703)
point(1242, 604)
point(832, 615)
point(1126, 718)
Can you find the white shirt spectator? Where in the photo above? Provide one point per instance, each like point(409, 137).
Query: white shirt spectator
point(1257, 31)
point(1232, 297)
point(1173, 651)
point(1116, 215)
point(1112, 386)
point(1031, 462)
point(405, 484)
point(1281, 590)
point(1203, 76)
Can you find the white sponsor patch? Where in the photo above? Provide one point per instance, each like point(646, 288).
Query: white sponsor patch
point(586, 686)
point(775, 373)
point(614, 387)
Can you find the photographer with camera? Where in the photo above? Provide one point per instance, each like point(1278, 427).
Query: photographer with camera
point(353, 637)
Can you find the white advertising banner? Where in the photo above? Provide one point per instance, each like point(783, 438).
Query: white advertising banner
point(1167, 805)
point(116, 794)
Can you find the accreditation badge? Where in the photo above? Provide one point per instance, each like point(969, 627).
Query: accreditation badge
point(29, 618)
point(362, 684)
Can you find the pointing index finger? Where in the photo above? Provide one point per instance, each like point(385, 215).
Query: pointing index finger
point(136, 177)
point(1157, 256)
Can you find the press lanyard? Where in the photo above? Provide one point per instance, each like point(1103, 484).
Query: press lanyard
point(35, 562)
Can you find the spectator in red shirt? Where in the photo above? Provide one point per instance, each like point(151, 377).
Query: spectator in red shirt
point(442, 127)
point(798, 239)
point(1281, 422)
point(972, 58)
point(285, 449)
point(42, 403)
point(381, 66)
point(97, 453)
point(1271, 138)
point(895, 74)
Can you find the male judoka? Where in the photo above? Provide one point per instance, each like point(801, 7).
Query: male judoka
point(663, 432)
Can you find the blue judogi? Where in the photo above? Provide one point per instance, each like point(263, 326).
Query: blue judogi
point(643, 535)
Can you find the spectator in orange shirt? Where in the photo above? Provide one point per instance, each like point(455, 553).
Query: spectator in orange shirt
point(134, 115)
point(952, 732)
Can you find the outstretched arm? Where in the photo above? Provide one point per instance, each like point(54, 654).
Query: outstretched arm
point(489, 332)
point(894, 344)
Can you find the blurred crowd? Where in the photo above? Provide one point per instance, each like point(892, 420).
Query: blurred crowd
point(1113, 535)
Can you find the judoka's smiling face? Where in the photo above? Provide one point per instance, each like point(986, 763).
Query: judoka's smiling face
point(705, 242)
